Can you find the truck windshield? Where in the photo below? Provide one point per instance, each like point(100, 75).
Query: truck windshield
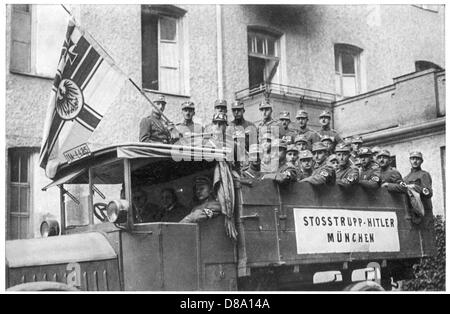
point(107, 185)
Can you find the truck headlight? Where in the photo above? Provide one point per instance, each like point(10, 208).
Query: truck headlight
point(49, 228)
point(117, 211)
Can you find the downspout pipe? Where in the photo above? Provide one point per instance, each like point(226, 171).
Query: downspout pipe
point(220, 92)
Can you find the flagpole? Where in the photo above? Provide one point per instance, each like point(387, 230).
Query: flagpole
point(85, 32)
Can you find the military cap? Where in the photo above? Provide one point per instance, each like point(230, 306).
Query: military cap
point(253, 149)
point(187, 104)
point(220, 103)
point(301, 138)
point(301, 114)
point(202, 180)
point(326, 138)
point(292, 147)
point(416, 154)
point(318, 146)
point(332, 157)
point(325, 113)
point(265, 104)
point(384, 152)
point(342, 147)
point(365, 151)
point(376, 149)
point(160, 99)
point(285, 115)
point(357, 139)
point(305, 154)
point(220, 117)
point(237, 105)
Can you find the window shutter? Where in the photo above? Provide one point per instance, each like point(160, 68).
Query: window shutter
point(20, 59)
point(150, 51)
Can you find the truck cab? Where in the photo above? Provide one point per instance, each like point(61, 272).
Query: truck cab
point(289, 237)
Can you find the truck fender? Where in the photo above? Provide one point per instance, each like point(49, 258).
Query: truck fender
point(42, 286)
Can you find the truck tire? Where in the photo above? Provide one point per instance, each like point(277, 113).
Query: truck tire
point(364, 286)
point(42, 286)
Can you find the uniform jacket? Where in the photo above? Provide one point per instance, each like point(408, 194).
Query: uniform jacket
point(423, 185)
point(332, 133)
point(394, 180)
point(152, 129)
point(204, 211)
point(243, 129)
point(322, 174)
point(174, 214)
point(370, 176)
point(287, 135)
point(303, 173)
point(311, 135)
point(187, 129)
point(347, 176)
point(265, 127)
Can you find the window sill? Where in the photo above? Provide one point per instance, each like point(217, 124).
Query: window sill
point(32, 75)
point(153, 91)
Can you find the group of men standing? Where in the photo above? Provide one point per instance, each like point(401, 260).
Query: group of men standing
point(287, 151)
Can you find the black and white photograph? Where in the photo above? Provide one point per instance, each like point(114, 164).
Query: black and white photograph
point(213, 149)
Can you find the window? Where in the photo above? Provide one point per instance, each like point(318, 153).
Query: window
point(347, 70)
point(263, 57)
point(37, 34)
point(19, 192)
point(162, 49)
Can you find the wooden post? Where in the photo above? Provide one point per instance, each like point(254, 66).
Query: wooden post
point(62, 207)
point(128, 193)
point(91, 197)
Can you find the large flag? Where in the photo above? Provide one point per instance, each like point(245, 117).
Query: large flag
point(86, 83)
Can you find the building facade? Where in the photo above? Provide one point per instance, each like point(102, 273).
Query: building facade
point(378, 68)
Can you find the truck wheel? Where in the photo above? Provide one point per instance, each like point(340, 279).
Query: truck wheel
point(364, 286)
point(42, 286)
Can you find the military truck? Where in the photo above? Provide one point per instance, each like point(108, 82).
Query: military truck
point(289, 237)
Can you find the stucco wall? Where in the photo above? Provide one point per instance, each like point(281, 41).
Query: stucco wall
point(410, 100)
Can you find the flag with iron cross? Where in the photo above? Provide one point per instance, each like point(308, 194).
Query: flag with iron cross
point(85, 85)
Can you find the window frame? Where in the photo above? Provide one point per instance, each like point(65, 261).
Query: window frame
point(253, 34)
point(355, 52)
point(168, 11)
point(24, 153)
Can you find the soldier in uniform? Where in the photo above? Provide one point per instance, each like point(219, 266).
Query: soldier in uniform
point(152, 129)
point(253, 170)
point(322, 173)
point(346, 175)
point(288, 171)
point(370, 172)
point(241, 128)
point(356, 143)
point(333, 161)
point(375, 151)
point(391, 179)
point(206, 206)
point(220, 106)
point(305, 164)
point(420, 180)
point(217, 138)
point(328, 141)
point(325, 120)
point(302, 142)
point(311, 135)
point(265, 126)
point(287, 133)
point(144, 211)
point(282, 150)
point(188, 128)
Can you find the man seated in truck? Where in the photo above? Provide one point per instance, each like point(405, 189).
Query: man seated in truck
point(205, 205)
point(144, 211)
point(370, 173)
point(305, 164)
point(288, 171)
point(171, 210)
point(322, 173)
point(391, 179)
point(347, 174)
